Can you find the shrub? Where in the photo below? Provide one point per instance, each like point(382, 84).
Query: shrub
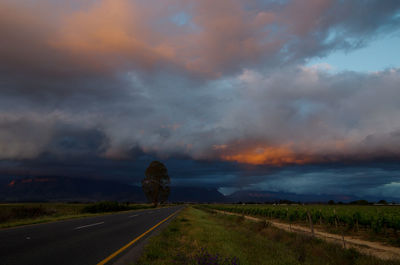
point(101, 207)
point(24, 212)
point(203, 257)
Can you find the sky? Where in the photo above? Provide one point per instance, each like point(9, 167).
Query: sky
point(293, 96)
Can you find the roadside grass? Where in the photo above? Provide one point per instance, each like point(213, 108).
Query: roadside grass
point(197, 233)
point(17, 214)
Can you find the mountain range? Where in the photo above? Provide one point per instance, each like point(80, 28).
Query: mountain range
point(84, 190)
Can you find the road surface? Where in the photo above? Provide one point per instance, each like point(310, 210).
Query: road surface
point(86, 241)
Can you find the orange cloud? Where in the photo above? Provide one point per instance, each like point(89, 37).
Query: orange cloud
point(111, 32)
point(229, 35)
point(277, 156)
point(220, 36)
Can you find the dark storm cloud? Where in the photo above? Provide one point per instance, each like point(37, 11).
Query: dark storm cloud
point(101, 88)
point(72, 141)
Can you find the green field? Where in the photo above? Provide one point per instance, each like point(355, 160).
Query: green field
point(199, 236)
point(16, 214)
point(381, 223)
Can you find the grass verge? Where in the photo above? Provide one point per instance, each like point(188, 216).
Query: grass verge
point(200, 237)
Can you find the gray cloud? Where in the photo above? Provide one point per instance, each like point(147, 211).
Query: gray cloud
point(227, 85)
point(315, 113)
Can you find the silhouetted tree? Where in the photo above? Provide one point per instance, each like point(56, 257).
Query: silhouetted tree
point(383, 202)
point(360, 202)
point(156, 184)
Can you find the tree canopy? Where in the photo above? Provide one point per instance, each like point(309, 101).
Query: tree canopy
point(156, 184)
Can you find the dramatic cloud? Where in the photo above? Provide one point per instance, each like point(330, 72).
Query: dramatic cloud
point(111, 82)
point(323, 116)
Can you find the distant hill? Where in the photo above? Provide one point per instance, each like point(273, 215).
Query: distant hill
point(67, 189)
point(195, 194)
point(81, 189)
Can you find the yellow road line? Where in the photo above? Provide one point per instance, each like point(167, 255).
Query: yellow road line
point(113, 255)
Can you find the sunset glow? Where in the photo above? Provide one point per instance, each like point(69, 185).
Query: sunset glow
point(270, 156)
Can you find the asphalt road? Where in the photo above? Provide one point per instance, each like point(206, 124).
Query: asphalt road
point(85, 241)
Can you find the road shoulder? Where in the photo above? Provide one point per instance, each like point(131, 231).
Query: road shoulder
point(133, 253)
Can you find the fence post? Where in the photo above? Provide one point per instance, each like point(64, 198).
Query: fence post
point(288, 217)
point(342, 230)
point(344, 242)
point(311, 223)
point(334, 213)
point(320, 217)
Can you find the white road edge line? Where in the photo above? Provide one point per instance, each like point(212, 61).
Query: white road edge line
point(133, 215)
point(83, 226)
